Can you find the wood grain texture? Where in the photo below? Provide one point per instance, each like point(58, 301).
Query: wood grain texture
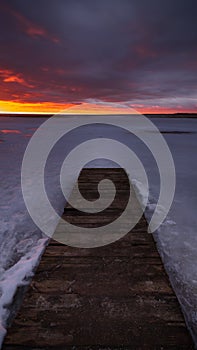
point(112, 297)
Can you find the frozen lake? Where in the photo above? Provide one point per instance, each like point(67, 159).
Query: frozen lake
point(22, 243)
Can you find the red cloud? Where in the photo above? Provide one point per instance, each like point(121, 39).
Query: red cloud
point(14, 79)
point(36, 31)
point(33, 29)
point(10, 77)
point(10, 131)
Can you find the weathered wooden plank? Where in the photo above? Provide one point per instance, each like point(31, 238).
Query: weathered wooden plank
point(112, 297)
point(75, 323)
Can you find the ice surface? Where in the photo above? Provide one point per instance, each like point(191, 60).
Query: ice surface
point(22, 243)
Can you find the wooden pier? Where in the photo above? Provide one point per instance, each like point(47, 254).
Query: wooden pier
point(112, 297)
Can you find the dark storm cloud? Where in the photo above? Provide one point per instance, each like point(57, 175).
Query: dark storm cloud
point(113, 50)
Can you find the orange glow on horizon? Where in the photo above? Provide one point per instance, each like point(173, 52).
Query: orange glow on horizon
point(42, 107)
point(83, 108)
point(100, 108)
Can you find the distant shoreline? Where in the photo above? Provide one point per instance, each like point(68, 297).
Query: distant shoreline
point(167, 115)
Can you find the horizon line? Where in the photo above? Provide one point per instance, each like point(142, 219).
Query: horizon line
point(107, 113)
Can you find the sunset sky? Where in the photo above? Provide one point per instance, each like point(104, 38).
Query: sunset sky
point(98, 55)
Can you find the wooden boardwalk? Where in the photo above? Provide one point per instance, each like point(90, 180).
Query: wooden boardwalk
point(112, 297)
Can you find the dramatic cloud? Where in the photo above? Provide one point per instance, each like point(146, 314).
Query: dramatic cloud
point(138, 53)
